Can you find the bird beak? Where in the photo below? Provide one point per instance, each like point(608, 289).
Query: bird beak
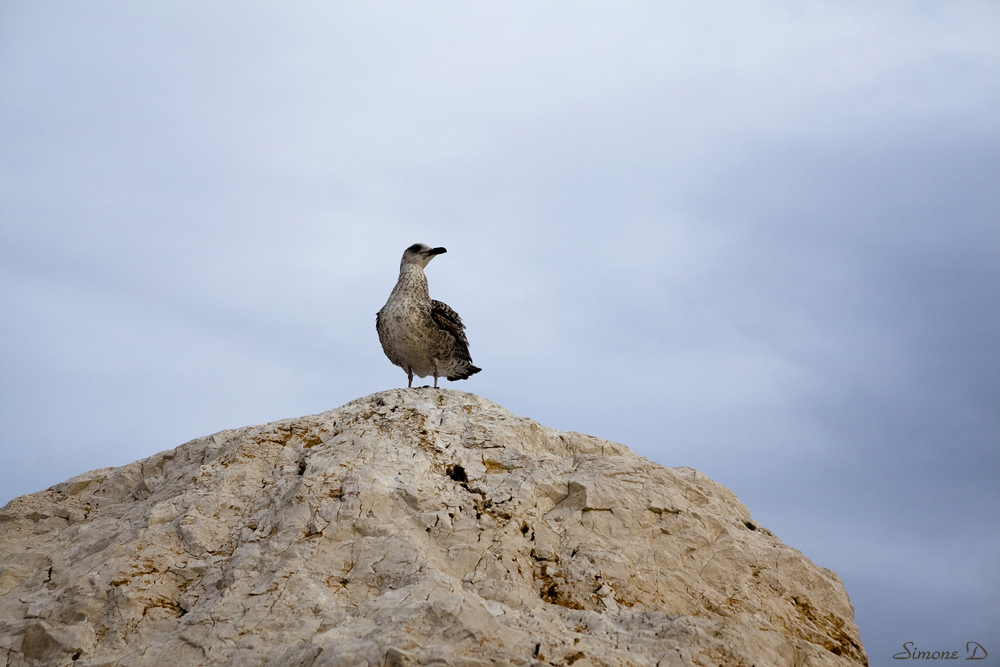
point(436, 251)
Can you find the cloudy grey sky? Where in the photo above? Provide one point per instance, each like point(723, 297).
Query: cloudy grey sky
point(761, 239)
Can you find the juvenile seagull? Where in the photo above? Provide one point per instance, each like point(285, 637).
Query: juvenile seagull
point(422, 336)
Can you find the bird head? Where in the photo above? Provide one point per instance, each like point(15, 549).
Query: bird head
point(419, 254)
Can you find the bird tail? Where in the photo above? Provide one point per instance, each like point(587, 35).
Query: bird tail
point(464, 375)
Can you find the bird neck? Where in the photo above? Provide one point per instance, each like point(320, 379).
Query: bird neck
point(412, 281)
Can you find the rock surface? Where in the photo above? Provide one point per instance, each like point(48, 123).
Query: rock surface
point(410, 527)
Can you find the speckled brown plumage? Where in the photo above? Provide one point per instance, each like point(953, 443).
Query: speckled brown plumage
point(422, 336)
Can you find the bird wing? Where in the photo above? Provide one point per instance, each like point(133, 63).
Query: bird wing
point(449, 321)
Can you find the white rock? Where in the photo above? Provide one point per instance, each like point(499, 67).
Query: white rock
point(407, 528)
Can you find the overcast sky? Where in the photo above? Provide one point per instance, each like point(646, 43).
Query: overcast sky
point(759, 239)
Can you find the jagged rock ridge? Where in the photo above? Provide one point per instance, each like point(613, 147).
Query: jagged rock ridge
point(410, 527)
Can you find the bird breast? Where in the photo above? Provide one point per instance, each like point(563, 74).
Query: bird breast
point(405, 327)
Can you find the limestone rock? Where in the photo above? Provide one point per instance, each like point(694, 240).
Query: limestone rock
point(410, 527)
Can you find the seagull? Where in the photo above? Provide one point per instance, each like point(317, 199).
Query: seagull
point(422, 336)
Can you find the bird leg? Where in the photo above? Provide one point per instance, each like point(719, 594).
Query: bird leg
point(435, 381)
point(409, 377)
